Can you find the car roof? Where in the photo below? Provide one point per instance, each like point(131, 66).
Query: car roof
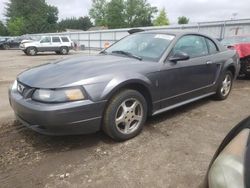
point(174, 32)
point(178, 33)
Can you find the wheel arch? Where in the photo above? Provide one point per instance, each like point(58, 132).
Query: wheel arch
point(232, 69)
point(231, 65)
point(137, 85)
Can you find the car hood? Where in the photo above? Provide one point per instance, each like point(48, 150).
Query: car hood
point(27, 41)
point(82, 69)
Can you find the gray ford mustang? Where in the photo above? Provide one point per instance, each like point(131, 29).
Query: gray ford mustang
point(143, 74)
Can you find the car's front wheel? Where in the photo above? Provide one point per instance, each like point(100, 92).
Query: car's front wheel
point(31, 51)
point(125, 115)
point(225, 86)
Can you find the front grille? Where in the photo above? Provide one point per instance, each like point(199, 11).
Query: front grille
point(24, 90)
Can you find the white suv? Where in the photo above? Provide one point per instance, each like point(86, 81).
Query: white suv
point(58, 44)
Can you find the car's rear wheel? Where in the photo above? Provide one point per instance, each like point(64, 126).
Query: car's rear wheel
point(31, 51)
point(6, 47)
point(225, 86)
point(125, 115)
point(245, 67)
point(64, 50)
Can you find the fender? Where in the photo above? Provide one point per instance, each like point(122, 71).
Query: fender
point(119, 82)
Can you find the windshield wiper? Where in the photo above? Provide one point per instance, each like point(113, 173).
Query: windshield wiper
point(103, 52)
point(127, 54)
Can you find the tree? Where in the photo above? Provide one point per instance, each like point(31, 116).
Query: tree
point(115, 14)
point(161, 18)
point(183, 20)
point(98, 12)
point(139, 13)
point(122, 13)
point(16, 26)
point(83, 23)
point(3, 29)
point(36, 15)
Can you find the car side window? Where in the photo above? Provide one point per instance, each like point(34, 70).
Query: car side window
point(56, 39)
point(193, 45)
point(46, 40)
point(65, 39)
point(211, 46)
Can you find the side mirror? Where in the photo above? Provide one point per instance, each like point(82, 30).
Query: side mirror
point(231, 162)
point(179, 56)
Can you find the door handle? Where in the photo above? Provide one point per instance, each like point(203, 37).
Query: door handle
point(209, 62)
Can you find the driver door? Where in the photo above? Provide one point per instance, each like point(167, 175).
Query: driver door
point(187, 79)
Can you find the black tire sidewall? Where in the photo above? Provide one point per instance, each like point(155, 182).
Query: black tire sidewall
point(244, 63)
point(61, 50)
point(6, 47)
point(29, 49)
point(109, 118)
point(218, 93)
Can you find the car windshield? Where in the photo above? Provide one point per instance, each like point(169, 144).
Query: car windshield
point(235, 40)
point(147, 46)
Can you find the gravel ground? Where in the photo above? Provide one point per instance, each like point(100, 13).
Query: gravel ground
point(174, 149)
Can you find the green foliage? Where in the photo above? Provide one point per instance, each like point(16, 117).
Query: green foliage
point(183, 20)
point(98, 12)
point(139, 13)
point(16, 26)
point(115, 14)
point(162, 18)
point(33, 15)
point(122, 13)
point(3, 29)
point(82, 23)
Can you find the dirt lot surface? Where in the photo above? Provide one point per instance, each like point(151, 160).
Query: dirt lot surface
point(173, 150)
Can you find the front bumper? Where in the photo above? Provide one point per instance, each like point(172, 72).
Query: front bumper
point(79, 117)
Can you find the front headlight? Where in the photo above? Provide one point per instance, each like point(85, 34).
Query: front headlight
point(14, 86)
point(58, 95)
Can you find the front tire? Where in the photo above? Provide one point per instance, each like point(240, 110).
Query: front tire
point(225, 86)
point(125, 115)
point(32, 51)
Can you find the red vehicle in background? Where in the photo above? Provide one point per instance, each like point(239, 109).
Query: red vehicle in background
point(242, 45)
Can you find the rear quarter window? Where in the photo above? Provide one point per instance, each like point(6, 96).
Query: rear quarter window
point(213, 49)
point(65, 39)
point(56, 39)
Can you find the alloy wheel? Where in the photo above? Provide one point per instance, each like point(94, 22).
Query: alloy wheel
point(226, 85)
point(129, 116)
point(32, 51)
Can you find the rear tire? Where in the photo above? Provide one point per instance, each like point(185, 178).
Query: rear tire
point(32, 51)
point(125, 115)
point(64, 50)
point(245, 67)
point(225, 86)
point(6, 47)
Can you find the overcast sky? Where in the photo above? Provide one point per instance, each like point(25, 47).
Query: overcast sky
point(196, 10)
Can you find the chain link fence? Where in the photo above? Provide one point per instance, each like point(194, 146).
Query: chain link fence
point(98, 39)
